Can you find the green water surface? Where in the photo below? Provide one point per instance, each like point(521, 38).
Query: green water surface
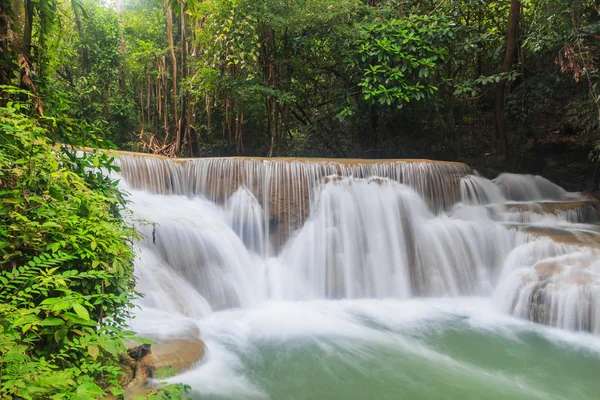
point(448, 359)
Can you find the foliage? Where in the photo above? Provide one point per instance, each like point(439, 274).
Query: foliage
point(398, 56)
point(66, 281)
point(571, 30)
point(376, 78)
point(354, 78)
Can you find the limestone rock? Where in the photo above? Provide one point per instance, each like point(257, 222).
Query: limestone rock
point(143, 361)
point(179, 354)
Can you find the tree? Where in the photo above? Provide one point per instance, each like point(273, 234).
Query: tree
point(511, 49)
point(7, 62)
point(398, 59)
point(350, 78)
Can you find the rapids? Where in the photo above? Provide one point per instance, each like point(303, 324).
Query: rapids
point(350, 279)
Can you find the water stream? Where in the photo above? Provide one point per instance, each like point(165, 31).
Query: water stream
point(349, 279)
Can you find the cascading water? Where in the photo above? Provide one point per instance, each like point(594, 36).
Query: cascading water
point(348, 279)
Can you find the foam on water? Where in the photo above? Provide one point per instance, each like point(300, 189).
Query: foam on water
point(332, 341)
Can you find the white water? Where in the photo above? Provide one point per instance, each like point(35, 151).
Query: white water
point(357, 261)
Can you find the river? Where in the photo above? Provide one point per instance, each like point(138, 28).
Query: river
point(350, 279)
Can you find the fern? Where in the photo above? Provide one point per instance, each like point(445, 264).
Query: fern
point(13, 281)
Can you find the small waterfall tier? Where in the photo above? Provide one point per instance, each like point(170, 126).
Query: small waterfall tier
point(224, 233)
point(562, 291)
point(284, 188)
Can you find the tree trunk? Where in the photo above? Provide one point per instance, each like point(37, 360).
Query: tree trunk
point(28, 28)
point(24, 59)
point(6, 47)
point(158, 93)
point(148, 122)
point(142, 108)
point(122, 86)
point(85, 60)
point(270, 76)
point(511, 47)
point(165, 94)
point(174, 67)
point(183, 120)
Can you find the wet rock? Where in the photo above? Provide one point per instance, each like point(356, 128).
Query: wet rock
point(179, 354)
point(130, 364)
point(141, 362)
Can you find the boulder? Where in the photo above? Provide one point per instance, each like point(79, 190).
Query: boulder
point(141, 362)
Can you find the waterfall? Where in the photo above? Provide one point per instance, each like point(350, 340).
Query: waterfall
point(285, 188)
point(377, 238)
point(529, 187)
point(562, 291)
point(328, 279)
point(222, 233)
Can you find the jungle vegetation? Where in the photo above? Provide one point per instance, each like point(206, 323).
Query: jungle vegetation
point(502, 84)
point(450, 79)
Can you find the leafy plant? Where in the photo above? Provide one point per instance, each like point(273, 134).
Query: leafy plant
point(398, 57)
point(66, 266)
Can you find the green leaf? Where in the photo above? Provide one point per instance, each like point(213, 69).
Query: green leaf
point(81, 311)
point(60, 334)
point(111, 347)
point(74, 318)
point(90, 390)
point(53, 322)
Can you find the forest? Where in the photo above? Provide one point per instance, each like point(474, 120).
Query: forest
point(478, 80)
point(503, 85)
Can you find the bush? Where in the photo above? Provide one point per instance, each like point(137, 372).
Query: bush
point(66, 267)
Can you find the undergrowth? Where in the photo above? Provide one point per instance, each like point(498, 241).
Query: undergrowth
point(66, 264)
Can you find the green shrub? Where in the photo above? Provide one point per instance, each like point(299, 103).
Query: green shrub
point(66, 267)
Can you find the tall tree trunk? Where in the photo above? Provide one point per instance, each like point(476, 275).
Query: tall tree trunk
point(165, 93)
point(121, 9)
point(511, 47)
point(142, 108)
point(270, 76)
point(6, 46)
point(27, 32)
point(183, 120)
point(25, 60)
point(158, 93)
point(148, 122)
point(85, 60)
point(174, 66)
